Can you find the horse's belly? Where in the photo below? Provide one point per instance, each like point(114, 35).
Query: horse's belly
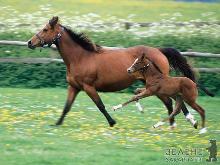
point(112, 86)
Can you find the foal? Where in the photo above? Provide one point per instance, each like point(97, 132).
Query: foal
point(180, 88)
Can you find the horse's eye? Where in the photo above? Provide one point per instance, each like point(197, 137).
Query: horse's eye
point(45, 30)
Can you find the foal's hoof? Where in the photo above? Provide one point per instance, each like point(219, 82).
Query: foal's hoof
point(117, 107)
point(195, 125)
point(138, 90)
point(160, 123)
point(112, 123)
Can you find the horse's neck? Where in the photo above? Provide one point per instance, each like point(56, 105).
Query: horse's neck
point(69, 50)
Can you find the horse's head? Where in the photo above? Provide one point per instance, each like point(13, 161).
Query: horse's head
point(48, 35)
point(139, 64)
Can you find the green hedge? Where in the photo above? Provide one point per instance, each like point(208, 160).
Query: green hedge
point(32, 75)
point(54, 75)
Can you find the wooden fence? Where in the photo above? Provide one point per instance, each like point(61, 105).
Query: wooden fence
point(49, 60)
point(128, 25)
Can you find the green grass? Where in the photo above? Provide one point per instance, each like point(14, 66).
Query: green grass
point(85, 138)
point(144, 10)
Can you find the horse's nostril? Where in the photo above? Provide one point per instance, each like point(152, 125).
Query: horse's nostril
point(30, 45)
point(29, 42)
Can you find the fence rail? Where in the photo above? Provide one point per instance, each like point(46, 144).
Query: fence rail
point(189, 54)
point(49, 60)
point(128, 25)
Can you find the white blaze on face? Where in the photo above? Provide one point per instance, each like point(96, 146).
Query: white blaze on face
point(130, 68)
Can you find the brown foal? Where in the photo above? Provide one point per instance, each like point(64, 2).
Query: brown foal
point(180, 88)
point(93, 68)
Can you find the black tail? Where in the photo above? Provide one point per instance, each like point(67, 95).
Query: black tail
point(205, 90)
point(178, 62)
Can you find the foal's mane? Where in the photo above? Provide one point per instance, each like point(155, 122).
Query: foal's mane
point(83, 40)
point(155, 65)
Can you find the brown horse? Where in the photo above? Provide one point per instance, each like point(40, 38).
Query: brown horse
point(181, 88)
point(93, 68)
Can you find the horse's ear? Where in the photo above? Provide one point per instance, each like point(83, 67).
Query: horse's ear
point(53, 21)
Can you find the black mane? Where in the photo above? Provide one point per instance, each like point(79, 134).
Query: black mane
point(156, 67)
point(83, 40)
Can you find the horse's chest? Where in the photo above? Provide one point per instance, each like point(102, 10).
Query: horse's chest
point(74, 80)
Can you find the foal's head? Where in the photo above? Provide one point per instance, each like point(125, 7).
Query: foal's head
point(139, 64)
point(48, 35)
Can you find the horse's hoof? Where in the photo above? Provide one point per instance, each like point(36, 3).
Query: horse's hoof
point(58, 123)
point(112, 123)
point(203, 130)
point(195, 125)
point(53, 125)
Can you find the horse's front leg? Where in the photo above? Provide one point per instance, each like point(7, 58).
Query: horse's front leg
point(144, 93)
point(92, 93)
point(72, 93)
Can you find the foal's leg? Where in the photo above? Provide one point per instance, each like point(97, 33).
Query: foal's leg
point(92, 93)
point(72, 93)
point(144, 93)
point(201, 111)
point(177, 110)
point(189, 117)
point(169, 105)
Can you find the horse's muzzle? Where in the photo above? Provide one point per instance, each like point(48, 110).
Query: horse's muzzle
point(30, 45)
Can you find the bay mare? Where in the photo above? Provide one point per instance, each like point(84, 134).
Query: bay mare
point(92, 68)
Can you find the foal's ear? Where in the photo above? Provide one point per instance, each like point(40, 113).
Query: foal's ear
point(53, 21)
point(142, 56)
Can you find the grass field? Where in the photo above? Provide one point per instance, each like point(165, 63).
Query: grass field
point(142, 10)
point(85, 138)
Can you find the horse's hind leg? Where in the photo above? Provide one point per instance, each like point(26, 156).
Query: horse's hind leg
point(169, 105)
point(92, 93)
point(72, 93)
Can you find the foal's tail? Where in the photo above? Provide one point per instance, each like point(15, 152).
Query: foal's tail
point(205, 90)
point(178, 62)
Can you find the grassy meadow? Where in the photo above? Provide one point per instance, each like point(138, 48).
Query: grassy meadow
point(27, 115)
point(27, 136)
point(142, 10)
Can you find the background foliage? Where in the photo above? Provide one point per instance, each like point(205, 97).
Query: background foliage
point(82, 15)
point(53, 75)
